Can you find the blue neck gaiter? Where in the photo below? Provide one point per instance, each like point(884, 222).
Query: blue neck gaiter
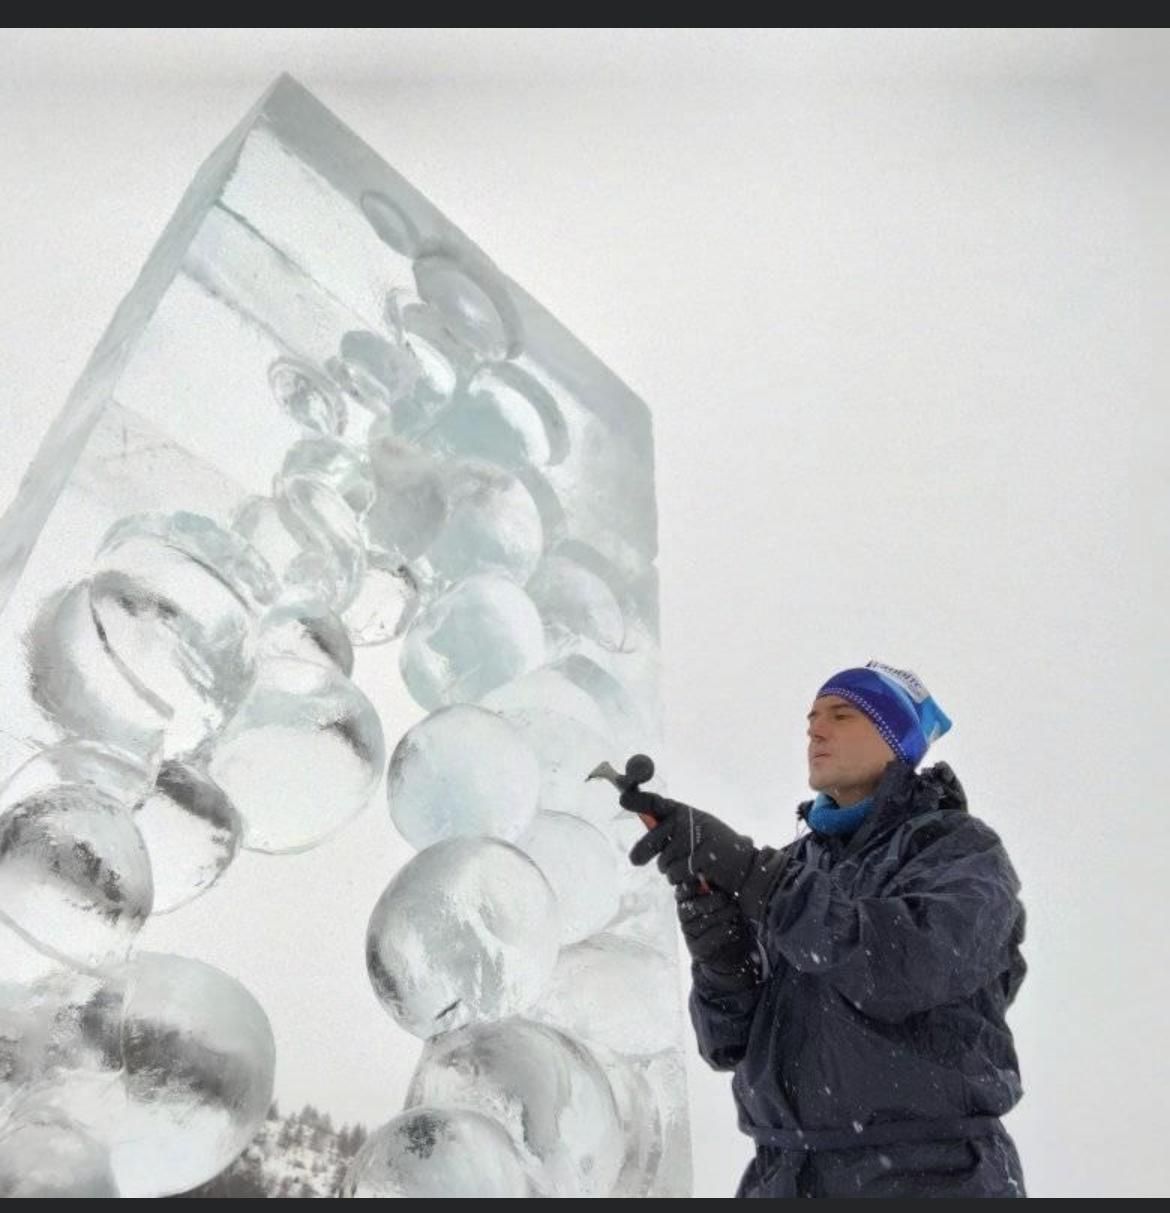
point(827, 817)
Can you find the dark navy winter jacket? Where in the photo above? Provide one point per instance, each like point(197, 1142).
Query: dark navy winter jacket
point(889, 959)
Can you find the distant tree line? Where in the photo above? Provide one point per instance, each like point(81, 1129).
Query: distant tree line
point(308, 1132)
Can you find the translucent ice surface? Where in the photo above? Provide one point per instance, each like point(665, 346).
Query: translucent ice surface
point(308, 534)
point(336, 464)
point(410, 495)
point(200, 1060)
point(49, 1157)
point(192, 833)
point(118, 774)
point(503, 416)
point(385, 605)
point(462, 770)
point(575, 602)
point(79, 684)
point(581, 866)
point(174, 598)
point(75, 876)
point(466, 931)
point(568, 751)
point(491, 524)
point(306, 630)
point(600, 988)
point(61, 1047)
point(437, 1152)
point(307, 396)
point(640, 1118)
point(480, 634)
point(544, 1087)
point(301, 757)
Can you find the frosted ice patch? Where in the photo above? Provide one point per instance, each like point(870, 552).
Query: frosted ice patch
point(410, 498)
point(640, 1120)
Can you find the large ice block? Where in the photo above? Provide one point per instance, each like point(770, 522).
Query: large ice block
point(333, 490)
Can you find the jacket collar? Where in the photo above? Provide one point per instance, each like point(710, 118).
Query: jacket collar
point(903, 792)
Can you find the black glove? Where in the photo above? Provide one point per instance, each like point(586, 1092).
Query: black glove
point(689, 842)
point(717, 937)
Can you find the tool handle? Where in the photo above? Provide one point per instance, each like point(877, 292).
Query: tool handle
point(650, 822)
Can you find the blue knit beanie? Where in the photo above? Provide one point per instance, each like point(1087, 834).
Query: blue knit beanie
point(898, 704)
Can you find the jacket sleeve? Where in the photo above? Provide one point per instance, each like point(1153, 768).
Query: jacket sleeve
point(942, 926)
point(722, 1018)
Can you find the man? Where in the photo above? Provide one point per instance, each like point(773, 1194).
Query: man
point(856, 980)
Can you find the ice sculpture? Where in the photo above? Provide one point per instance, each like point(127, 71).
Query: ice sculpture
point(333, 488)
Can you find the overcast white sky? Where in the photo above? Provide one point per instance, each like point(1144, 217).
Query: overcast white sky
point(897, 302)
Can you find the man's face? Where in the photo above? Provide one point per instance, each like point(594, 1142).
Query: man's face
point(846, 753)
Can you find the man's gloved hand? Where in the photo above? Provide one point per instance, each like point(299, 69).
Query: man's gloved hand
point(717, 936)
point(689, 842)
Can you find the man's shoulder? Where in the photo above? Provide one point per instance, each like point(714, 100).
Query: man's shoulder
point(944, 835)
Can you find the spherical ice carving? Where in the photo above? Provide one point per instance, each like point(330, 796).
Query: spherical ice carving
point(437, 1152)
point(544, 1087)
point(462, 771)
point(174, 598)
point(200, 1060)
point(301, 757)
point(477, 636)
point(475, 304)
point(74, 873)
point(466, 931)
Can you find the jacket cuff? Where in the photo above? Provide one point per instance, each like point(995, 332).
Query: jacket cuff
point(714, 982)
point(756, 890)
